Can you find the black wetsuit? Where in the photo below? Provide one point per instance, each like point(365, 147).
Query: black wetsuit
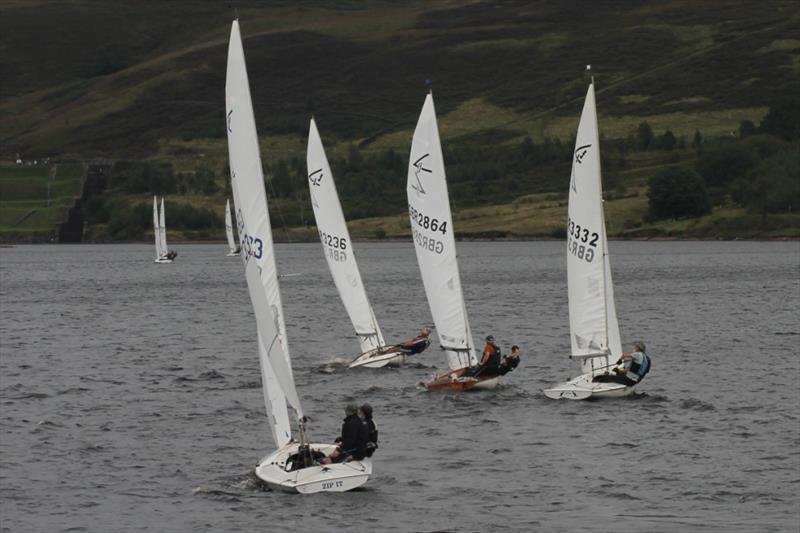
point(354, 437)
point(372, 436)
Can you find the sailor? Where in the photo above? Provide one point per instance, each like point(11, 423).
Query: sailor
point(418, 344)
point(490, 361)
point(365, 411)
point(509, 362)
point(635, 366)
point(353, 441)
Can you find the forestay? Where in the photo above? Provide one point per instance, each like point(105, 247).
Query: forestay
point(337, 246)
point(593, 320)
point(257, 247)
point(432, 233)
point(229, 227)
point(156, 232)
point(162, 230)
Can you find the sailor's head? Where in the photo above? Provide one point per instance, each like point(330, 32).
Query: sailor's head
point(366, 409)
point(639, 346)
point(351, 409)
point(426, 331)
point(515, 349)
point(490, 339)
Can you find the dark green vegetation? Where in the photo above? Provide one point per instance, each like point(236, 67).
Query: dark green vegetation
point(145, 81)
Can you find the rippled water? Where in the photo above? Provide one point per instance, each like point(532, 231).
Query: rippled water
point(131, 394)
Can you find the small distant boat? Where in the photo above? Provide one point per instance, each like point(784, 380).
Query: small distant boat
point(594, 330)
point(294, 466)
point(163, 254)
point(338, 249)
point(434, 241)
point(233, 249)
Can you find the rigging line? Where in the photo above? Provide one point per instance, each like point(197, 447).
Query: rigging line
point(278, 208)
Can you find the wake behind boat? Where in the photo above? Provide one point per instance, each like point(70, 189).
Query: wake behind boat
point(340, 255)
point(294, 466)
point(435, 245)
point(594, 329)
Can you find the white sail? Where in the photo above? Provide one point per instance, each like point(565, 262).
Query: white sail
point(432, 232)
point(156, 232)
point(229, 227)
point(257, 247)
point(593, 323)
point(337, 246)
point(162, 229)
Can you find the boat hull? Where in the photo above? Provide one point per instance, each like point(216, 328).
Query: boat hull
point(376, 359)
point(338, 477)
point(162, 260)
point(455, 381)
point(233, 254)
point(583, 388)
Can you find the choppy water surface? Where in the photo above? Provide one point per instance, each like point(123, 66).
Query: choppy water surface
point(131, 394)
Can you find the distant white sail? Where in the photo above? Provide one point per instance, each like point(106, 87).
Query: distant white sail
point(229, 227)
point(156, 232)
point(593, 321)
point(434, 241)
point(337, 246)
point(257, 246)
point(162, 229)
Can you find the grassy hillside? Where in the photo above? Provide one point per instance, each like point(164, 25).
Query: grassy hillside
point(145, 81)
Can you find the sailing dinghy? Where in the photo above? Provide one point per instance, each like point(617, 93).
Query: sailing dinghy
point(594, 330)
point(163, 254)
point(434, 242)
point(233, 249)
point(338, 250)
point(293, 467)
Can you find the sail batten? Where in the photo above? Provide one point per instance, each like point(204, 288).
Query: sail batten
point(594, 331)
point(229, 227)
point(434, 241)
point(337, 245)
point(255, 234)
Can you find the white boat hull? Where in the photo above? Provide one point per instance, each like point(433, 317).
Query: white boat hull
point(338, 477)
point(374, 359)
point(583, 388)
point(233, 254)
point(162, 260)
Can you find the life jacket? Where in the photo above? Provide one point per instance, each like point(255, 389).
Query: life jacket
point(419, 344)
point(494, 358)
point(642, 369)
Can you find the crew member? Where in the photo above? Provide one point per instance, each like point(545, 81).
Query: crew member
point(635, 366)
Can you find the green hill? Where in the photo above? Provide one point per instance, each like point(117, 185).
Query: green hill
point(145, 81)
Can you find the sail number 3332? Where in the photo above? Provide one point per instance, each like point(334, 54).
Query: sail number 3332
point(581, 242)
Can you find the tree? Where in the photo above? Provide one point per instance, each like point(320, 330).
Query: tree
point(644, 136)
point(667, 141)
point(746, 129)
point(772, 187)
point(677, 192)
point(783, 118)
point(697, 141)
point(724, 162)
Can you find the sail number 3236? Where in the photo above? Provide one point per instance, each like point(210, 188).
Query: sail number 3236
point(581, 242)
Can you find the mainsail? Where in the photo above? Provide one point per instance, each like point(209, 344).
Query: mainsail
point(229, 227)
point(255, 234)
point(432, 232)
point(156, 232)
point(337, 246)
point(162, 230)
point(592, 316)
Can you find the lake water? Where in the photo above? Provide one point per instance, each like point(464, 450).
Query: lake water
point(131, 394)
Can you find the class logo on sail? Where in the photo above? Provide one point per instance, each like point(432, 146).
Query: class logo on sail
point(315, 177)
point(418, 165)
point(580, 153)
point(229, 120)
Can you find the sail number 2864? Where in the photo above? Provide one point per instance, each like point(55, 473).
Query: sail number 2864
point(424, 221)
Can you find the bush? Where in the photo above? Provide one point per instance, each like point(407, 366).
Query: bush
point(677, 192)
point(783, 118)
point(722, 163)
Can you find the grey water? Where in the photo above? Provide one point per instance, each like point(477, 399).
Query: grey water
point(131, 396)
